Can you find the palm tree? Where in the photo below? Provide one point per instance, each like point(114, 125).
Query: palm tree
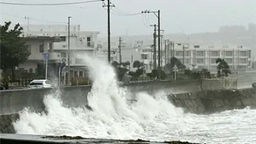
point(223, 67)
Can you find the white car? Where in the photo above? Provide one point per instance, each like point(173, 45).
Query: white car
point(41, 83)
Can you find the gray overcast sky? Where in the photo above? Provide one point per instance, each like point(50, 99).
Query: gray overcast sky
point(188, 16)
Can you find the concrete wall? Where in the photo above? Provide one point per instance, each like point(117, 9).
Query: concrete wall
point(174, 87)
point(211, 101)
point(11, 102)
point(218, 84)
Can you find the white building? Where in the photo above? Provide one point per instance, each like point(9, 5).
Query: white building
point(38, 46)
point(80, 42)
point(102, 51)
point(204, 56)
point(142, 53)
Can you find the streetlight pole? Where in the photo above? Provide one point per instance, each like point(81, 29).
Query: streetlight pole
point(69, 50)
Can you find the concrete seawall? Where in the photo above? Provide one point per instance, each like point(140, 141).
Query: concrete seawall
point(188, 95)
point(211, 101)
point(11, 102)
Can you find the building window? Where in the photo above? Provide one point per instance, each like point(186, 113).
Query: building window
point(81, 74)
point(196, 46)
point(41, 48)
point(229, 53)
point(63, 38)
point(146, 50)
point(229, 60)
point(179, 53)
point(63, 55)
point(75, 74)
point(200, 53)
point(242, 53)
point(88, 41)
point(144, 56)
point(50, 47)
point(79, 61)
point(187, 53)
point(214, 53)
point(242, 60)
point(199, 60)
point(213, 60)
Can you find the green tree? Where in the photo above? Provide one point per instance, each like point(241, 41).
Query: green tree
point(196, 74)
point(174, 61)
point(120, 71)
point(13, 47)
point(137, 64)
point(115, 64)
point(223, 67)
point(205, 73)
point(125, 64)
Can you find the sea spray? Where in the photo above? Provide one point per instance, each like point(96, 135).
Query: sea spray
point(150, 117)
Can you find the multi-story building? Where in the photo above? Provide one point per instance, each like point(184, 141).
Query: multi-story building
point(204, 56)
point(38, 46)
point(141, 53)
point(80, 42)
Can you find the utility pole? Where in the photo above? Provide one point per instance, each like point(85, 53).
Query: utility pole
point(165, 52)
point(173, 52)
point(108, 14)
point(120, 54)
point(183, 47)
point(168, 51)
point(154, 45)
point(69, 50)
point(159, 40)
point(157, 14)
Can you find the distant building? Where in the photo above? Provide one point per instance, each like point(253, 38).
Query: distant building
point(204, 56)
point(102, 51)
point(80, 42)
point(142, 53)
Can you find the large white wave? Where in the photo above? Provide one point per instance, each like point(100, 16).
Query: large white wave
point(150, 117)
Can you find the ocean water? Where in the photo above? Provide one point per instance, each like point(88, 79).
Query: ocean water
point(150, 117)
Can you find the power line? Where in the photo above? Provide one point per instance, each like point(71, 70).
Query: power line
point(120, 14)
point(49, 4)
point(33, 19)
point(125, 13)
